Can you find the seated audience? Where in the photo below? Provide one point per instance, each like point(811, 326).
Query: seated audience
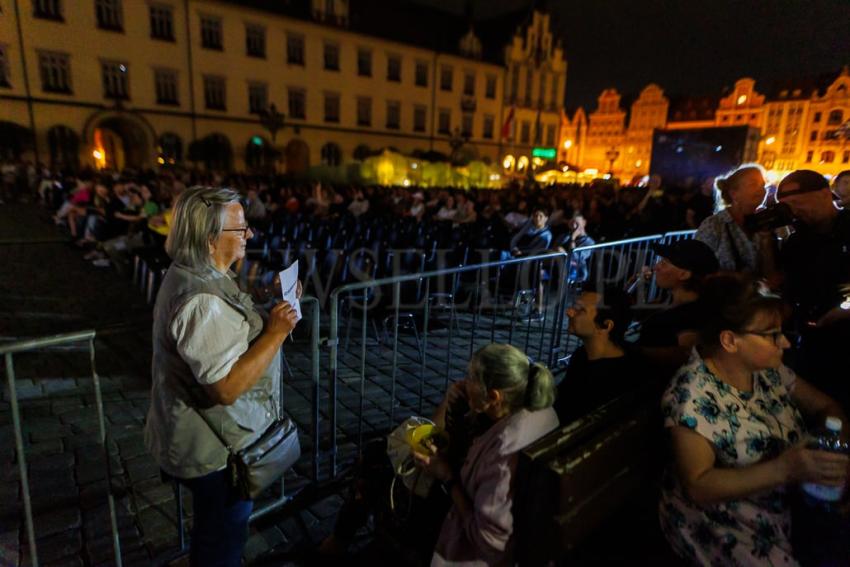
point(600, 369)
point(534, 237)
point(735, 415)
point(577, 237)
point(667, 335)
point(841, 188)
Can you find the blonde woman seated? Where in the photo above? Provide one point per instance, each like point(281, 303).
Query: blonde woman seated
point(517, 397)
point(735, 415)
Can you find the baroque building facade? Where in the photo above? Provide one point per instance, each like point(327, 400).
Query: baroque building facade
point(120, 83)
point(800, 124)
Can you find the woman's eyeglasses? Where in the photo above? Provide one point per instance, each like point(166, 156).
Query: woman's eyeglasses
point(775, 336)
point(244, 230)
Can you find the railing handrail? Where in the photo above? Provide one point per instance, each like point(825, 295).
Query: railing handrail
point(614, 243)
point(354, 286)
point(680, 232)
point(48, 341)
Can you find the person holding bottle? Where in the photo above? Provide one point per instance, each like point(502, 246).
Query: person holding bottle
point(735, 416)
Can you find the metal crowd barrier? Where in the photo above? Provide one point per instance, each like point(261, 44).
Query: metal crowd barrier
point(519, 301)
point(8, 351)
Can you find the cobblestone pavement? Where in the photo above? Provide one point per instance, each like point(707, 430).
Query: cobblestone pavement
point(47, 288)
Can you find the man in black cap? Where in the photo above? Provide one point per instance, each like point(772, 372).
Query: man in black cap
point(815, 266)
point(667, 336)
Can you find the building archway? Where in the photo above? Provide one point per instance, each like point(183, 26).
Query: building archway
point(214, 151)
point(120, 139)
point(170, 149)
point(297, 155)
point(331, 154)
point(15, 140)
point(64, 146)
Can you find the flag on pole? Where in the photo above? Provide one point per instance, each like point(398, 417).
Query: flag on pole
point(508, 126)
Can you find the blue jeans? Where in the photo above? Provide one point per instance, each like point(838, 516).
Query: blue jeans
point(220, 521)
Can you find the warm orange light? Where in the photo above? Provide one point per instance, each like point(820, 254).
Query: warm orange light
point(742, 99)
point(770, 140)
point(98, 155)
point(568, 144)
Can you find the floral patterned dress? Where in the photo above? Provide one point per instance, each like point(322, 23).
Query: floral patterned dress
point(744, 428)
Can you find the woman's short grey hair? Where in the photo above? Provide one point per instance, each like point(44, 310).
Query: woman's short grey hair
point(198, 218)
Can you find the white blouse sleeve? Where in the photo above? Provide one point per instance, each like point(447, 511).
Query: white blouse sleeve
point(210, 336)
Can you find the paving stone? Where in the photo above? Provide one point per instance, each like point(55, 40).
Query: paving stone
point(130, 447)
point(58, 385)
point(100, 549)
point(95, 469)
point(56, 547)
point(56, 461)
point(47, 431)
point(142, 468)
point(57, 521)
point(43, 448)
point(329, 507)
point(255, 546)
point(10, 547)
point(95, 494)
point(161, 495)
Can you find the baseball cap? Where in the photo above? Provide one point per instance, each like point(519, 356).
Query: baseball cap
point(691, 255)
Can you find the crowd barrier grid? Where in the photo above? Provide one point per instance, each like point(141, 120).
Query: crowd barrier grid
point(8, 351)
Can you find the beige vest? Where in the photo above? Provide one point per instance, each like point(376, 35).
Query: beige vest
point(180, 441)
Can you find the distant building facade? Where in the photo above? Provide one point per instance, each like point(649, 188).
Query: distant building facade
point(119, 83)
point(802, 125)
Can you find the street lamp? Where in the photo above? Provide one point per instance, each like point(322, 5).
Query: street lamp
point(611, 155)
point(456, 141)
point(272, 120)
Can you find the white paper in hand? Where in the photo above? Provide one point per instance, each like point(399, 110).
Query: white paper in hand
point(288, 286)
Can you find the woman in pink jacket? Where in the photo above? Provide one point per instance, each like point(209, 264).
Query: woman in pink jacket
point(517, 396)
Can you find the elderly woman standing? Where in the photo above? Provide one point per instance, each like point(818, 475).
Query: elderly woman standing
point(739, 194)
point(212, 354)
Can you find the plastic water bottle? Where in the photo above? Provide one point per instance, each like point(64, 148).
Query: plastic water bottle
point(827, 440)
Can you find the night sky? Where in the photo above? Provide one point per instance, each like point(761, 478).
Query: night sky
point(692, 47)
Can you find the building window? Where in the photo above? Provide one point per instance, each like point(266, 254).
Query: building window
point(394, 68)
point(469, 84)
point(846, 157)
point(331, 154)
point(331, 57)
point(165, 85)
point(525, 132)
point(816, 118)
point(215, 93)
point(211, 32)
point(4, 68)
point(393, 114)
point(419, 113)
point(162, 22)
point(550, 135)
point(529, 84)
point(835, 118)
point(295, 49)
point(258, 97)
point(332, 107)
point(47, 9)
point(827, 157)
point(487, 130)
point(421, 74)
point(255, 41)
point(364, 111)
point(514, 83)
point(297, 103)
point(555, 103)
point(466, 125)
point(115, 80)
point(364, 62)
point(490, 89)
point(542, 92)
point(809, 155)
point(444, 121)
point(445, 78)
point(55, 69)
point(109, 16)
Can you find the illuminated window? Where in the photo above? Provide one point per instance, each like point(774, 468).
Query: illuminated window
point(827, 157)
point(509, 162)
point(742, 99)
point(522, 164)
point(835, 118)
point(809, 155)
point(816, 118)
point(846, 157)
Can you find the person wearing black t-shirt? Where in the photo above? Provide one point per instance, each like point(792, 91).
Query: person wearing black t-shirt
point(601, 369)
point(667, 336)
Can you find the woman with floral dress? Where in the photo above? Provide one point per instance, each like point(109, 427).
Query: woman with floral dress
point(735, 414)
